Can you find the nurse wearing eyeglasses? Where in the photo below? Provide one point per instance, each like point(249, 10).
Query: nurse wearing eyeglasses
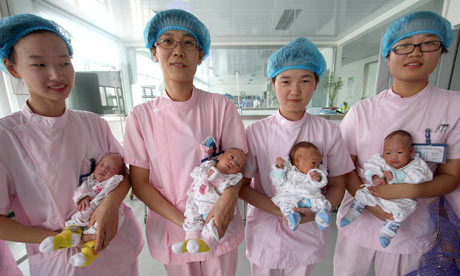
point(412, 46)
point(162, 146)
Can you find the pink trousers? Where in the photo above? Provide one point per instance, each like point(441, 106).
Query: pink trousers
point(224, 265)
point(304, 270)
point(352, 259)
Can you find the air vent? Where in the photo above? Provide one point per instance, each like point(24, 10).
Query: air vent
point(287, 18)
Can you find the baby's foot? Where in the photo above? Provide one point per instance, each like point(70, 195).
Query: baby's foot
point(179, 248)
point(323, 219)
point(388, 231)
point(86, 256)
point(196, 246)
point(304, 203)
point(356, 209)
point(293, 219)
point(69, 237)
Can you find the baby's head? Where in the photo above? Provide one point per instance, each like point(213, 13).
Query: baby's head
point(231, 161)
point(305, 156)
point(397, 149)
point(109, 165)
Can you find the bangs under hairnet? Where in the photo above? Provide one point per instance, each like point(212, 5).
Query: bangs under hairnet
point(15, 27)
point(178, 20)
point(300, 53)
point(423, 22)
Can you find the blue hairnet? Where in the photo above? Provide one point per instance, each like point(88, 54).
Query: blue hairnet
point(15, 27)
point(300, 53)
point(423, 22)
point(178, 20)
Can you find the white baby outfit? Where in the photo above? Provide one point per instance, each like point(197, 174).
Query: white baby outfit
point(417, 171)
point(202, 195)
point(294, 187)
point(98, 191)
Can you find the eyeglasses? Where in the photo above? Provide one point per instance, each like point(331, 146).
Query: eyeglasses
point(168, 43)
point(429, 46)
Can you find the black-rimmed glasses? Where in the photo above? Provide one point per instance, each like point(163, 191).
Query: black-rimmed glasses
point(428, 46)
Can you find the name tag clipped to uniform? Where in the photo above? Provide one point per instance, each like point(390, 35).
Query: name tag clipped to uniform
point(434, 153)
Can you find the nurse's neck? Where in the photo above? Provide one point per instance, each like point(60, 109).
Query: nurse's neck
point(408, 88)
point(46, 109)
point(292, 116)
point(179, 91)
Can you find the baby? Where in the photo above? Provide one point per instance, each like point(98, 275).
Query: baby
point(210, 179)
point(299, 185)
point(397, 164)
point(105, 178)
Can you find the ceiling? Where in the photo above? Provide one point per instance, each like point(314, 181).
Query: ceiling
point(357, 25)
point(236, 21)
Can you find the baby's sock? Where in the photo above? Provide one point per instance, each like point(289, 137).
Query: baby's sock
point(293, 219)
point(323, 219)
point(388, 231)
point(356, 209)
point(86, 256)
point(196, 246)
point(179, 247)
point(69, 237)
point(304, 203)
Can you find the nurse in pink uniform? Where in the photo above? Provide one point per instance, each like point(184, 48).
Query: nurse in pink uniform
point(45, 147)
point(412, 46)
point(272, 247)
point(7, 263)
point(162, 146)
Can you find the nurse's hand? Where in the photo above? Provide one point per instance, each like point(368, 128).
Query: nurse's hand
point(393, 191)
point(379, 213)
point(223, 211)
point(306, 214)
point(222, 215)
point(106, 217)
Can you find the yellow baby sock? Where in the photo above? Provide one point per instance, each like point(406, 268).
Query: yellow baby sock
point(196, 246)
point(86, 256)
point(69, 237)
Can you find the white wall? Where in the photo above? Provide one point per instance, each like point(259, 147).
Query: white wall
point(451, 11)
point(355, 70)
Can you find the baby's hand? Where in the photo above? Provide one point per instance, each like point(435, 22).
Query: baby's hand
point(83, 204)
point(210, 172)
point(210, 150)
point(378, 180)
point(315, 176)
point(279, 163)
point(388, 175)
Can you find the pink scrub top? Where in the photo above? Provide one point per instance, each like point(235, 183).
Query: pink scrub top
point(8, 265)
point(364, 128)
point(41, 159)
point(164, 137)
point(269, 241)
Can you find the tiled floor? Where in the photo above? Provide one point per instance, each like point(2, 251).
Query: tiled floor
point(149, 266)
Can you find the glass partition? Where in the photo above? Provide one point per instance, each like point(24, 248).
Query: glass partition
point(239, 73)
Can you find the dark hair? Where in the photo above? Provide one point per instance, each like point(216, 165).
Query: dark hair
point(303, 144)
point(402, 133)
point(123, 169)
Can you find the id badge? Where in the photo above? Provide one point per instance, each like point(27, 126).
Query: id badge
point(434, 153)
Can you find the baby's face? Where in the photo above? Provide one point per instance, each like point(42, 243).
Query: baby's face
point(397, 151)
point(109, 166)
point(306, 159)
point(231, 161)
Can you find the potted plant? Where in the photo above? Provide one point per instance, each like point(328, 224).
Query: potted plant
point(332, 87)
